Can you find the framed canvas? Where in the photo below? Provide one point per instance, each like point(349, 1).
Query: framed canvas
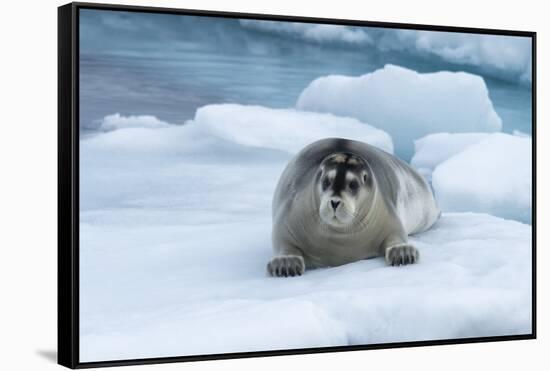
point(241, 185)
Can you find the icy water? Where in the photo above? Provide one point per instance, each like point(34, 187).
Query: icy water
point(188, 65)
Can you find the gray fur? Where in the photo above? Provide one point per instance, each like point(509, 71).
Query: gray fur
point(399, 202)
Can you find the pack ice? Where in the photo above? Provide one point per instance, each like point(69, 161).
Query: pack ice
point(406, 104)
point(175, 234)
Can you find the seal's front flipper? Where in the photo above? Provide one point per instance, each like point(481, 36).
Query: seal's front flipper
point(286, 265)
point(398, 252)
point(401, 255)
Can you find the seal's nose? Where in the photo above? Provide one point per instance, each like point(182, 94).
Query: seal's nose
point(334, 204)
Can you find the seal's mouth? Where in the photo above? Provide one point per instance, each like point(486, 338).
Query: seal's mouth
point(335, 220)
point(336, 212)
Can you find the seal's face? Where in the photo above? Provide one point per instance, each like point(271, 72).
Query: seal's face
point(344, 182)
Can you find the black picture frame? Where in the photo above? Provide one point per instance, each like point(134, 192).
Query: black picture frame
point(68, 184)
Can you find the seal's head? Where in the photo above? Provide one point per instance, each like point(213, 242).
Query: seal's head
point(344, 183)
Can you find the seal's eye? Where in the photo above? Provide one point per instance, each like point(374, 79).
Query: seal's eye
point(326, 183)
point(353, 185)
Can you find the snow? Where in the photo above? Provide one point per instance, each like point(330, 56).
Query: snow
point(406, 104)
point(175, 234)
point(493, 176)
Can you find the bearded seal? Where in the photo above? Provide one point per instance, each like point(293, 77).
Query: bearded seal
point(340, 201)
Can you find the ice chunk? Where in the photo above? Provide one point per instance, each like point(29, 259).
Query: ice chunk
point(433, 149)
point(406, 104)
point(225, 133)
point(233, 125)
point(118, 121)
point(284, 129)
point(493, 176)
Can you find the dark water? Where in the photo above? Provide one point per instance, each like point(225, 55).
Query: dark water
point(168, 66)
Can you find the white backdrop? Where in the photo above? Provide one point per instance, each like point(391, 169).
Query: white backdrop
point(28, 151)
